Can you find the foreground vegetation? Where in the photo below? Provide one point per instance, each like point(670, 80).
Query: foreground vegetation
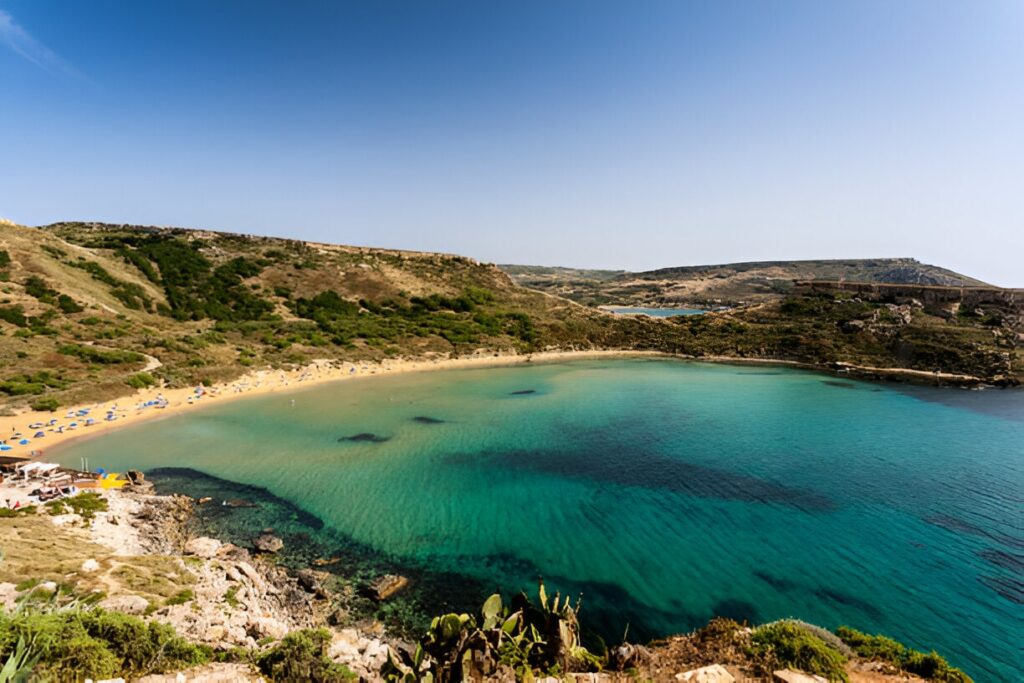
point(71, 642)
point(56, 636)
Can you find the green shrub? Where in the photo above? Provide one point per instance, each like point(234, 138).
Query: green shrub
point(48, 403)
point(87, 504)
point(68, 305)
point(140, 380)
point(181, 597)
point(784, 644)
point(130, 294)
point(930, 666)
point(92, 354)
point(35, 286)
point(14, 314)
point(302, 656)
point(16, 388)
point(71, 644)
point(5, 258)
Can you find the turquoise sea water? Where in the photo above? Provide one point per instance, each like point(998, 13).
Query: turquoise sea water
point(666, 491)
point(658, 312)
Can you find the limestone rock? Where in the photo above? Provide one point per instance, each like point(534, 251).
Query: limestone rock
point(8, 595)
point(90, 565)
point(128, 604)
point(203, 547)
point(233, 553)
point(247, 570)
point(343, 649)
point(267, 543)
point(267, 627)
point(716, 673)
point(790, 676)
point(375, 654)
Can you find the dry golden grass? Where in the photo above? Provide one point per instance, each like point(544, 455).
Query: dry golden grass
point(35, 548)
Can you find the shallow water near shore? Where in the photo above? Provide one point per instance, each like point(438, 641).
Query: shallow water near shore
point(666, 491)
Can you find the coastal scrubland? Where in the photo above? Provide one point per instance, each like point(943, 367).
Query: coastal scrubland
point(90, 312)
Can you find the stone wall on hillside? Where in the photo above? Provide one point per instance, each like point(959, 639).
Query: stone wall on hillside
point(928, 295)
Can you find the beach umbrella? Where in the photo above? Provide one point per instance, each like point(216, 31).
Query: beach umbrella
point(39, 435)
point(52, 421)
point(4, 447)
point(90, 421)
point(35, 425)
point(24, 442)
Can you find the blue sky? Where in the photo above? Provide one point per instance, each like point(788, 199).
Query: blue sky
point(597, 134)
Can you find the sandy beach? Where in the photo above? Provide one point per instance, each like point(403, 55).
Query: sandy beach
point(95, 419)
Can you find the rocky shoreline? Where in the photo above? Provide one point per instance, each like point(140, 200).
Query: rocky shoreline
point(241, 598)
point(137, 555)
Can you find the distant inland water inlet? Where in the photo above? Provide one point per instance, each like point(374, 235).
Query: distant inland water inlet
point(655, 312)
point(665, 491)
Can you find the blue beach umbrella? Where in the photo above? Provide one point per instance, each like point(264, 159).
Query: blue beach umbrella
point(4, 447)
point(39, 435)
point(24, 442)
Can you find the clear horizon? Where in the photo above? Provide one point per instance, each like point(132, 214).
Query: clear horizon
point(591, 135)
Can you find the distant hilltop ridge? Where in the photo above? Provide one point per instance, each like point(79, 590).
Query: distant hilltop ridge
point(207, 233)
point(725, 284)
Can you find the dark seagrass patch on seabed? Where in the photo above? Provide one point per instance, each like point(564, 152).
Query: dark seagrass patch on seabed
point(960, 526)
point(1010, 588)
point(523, 392)
point(1001, 558)
point(427, 420)
point(364, 437)
point(847, 600)
point(776, 582)
point(839, 383)
point(655, 472)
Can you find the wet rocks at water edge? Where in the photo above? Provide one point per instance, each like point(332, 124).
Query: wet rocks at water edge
point(267, 542)
point(383, 588)
point(313, 582)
